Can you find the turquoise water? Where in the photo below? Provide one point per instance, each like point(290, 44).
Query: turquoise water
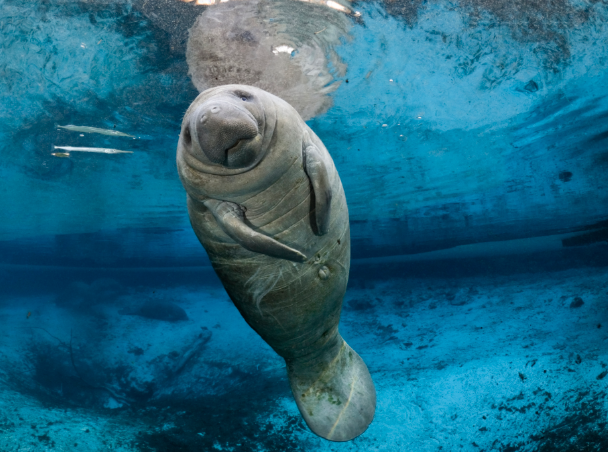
point(470, 138)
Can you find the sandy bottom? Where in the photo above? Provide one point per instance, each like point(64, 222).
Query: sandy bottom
point(508, 363)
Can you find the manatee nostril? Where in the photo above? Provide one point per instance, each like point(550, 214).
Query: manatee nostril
point(215, 109)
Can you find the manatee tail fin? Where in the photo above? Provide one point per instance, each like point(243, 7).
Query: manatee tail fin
point(336, 395)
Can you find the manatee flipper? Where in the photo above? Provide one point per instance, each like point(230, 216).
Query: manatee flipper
point(318, 174)
point(334, 393)
point(231, 218)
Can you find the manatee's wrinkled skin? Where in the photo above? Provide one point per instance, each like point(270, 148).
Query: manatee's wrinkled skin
point(266, 202)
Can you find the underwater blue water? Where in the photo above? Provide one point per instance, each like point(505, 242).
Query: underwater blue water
point(471, 140)
point(480, 135)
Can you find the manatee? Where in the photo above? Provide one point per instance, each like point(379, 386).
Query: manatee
point(267, 204)
point(285, 47)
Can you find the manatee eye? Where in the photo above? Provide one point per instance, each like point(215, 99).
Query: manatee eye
point(245, 97)
point(187, 136)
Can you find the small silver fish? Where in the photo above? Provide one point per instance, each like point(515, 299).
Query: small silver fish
point(97, 150)
point(61, 154)
point(88, 129)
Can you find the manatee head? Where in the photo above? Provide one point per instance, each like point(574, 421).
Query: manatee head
point(227, 129)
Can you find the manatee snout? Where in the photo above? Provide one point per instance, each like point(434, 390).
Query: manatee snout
point(226, 133)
